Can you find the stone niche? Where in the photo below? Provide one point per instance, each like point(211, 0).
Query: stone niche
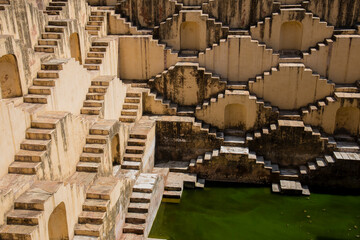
point(291, 86)
point(186, 84)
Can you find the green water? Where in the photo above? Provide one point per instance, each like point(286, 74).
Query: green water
point(255, 213)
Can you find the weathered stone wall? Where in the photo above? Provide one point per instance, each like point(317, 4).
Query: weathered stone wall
point(239, 58)
point(233, 167)
point(291, 86)
point(146, 14)
point(141, 58)
point(289, 146)
point(239, 13)
point(249, 113)
point(177, 139)
point(336, 60)
point(329, 117)
point(187, 85)
point(190, 31)
point(339, 13)
point(291, 29)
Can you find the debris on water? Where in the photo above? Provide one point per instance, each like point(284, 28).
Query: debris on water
point(308, 216)
point(355, 226)
point(305, 211)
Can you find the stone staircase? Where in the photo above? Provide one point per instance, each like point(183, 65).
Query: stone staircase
point(52, 37)
point(56, 7)
point(23, 221)
point(94, 152)
point(97, 209)
point(95, 99)
point(144, 201)
point(45, 82)
point(96, 54)
point(134, 150)
point(132, 106)
point(97, 24)
point(36, 146)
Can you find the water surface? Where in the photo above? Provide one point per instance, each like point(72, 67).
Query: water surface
point(254, 213)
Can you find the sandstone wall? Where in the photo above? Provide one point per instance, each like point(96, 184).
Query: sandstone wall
point(291, 86)
point(187, 85)
point(339, 13)
point(239, 58)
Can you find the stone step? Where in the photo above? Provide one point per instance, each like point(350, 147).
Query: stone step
point(329, 159)
point(55, 29)
point(95, 96)
point(87, 167)
point(40, 90)
point(303, 170)
point(91, 157)
point(135, 150)
point(39, 134)
point(347, 147)
point(35, 145)
point(96, 205)
point(134, 228)
point(133, 157)
point(51, 35)
point(98, 49)
point(45, 123)
point(140, 197)
point(100, 43)
point(95, 55)
point(129, 112)
point(312, 166)
point(40, 99)
point(289, 174)
point(87, 217)
point(347, 156)
point(138, 207)
point(48, 74)
point(51, 66)
point(18, 232)
point(172, 194)
point(132, 100)
point(23, 217)
point(96, 139)
point(91, 110)
point(131, 165)
point(92, 67)
point(97, 89)
point(28, 168)
point(95, 23)
point(135, 218)
point(138, 135)
point(96, 18)
point(30, 156)
point(93, 61)
point(93, 103)
point(44, 82)
point(130, 106)
point(136, 142)
point(127, 119)
point(102, 188)
point(291, 187)
point(88, 230)
point(45, 48)
point(133, 94)
point(94, 148)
